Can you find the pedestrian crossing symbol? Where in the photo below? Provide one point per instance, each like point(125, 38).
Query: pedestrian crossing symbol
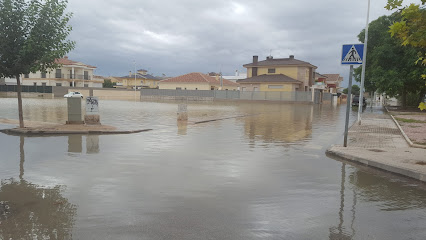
point(352, 54)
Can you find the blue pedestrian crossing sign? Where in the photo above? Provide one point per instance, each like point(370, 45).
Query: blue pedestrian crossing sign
point(352, 54)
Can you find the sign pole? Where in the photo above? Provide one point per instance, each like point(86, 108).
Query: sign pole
point(348, 106)
point(364, 62)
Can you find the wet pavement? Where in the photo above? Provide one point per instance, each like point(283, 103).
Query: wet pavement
point(264, 176)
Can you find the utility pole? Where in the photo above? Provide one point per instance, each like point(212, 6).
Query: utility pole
point(364, 63)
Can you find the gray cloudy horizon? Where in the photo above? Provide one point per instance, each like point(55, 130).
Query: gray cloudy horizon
point(178, 37)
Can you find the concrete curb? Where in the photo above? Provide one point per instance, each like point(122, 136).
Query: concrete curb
point(398, 170)
point(405, 135)
point(26, 132)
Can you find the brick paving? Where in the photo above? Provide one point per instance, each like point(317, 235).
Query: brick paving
point(376, 131)
point(379, 143)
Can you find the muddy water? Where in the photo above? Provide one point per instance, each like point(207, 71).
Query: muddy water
point(263, 176)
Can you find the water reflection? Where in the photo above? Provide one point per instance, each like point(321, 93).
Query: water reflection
point(92, 144)
point(278, 123)
point(29, 211)
point(391, 195)
point(182, 127)
point(340, 231)
point(75, 144)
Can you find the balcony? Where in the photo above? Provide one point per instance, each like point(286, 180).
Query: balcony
point(73, 76)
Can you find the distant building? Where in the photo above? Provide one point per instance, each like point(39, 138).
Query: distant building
point(8, 81)
point(197, 81)
point(333, 82)
point(69, 74)
point(236, 77)
point(143, 80)
point(281, 74)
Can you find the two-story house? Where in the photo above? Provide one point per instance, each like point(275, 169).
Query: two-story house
point(69, 74)
point(333, 82)
point(141, 80)
point(280, 74)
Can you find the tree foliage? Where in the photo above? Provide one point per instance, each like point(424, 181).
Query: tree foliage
point(33, 34)
point(411, 29)
point(355, 90)
point(108, 84)
point(390, 65)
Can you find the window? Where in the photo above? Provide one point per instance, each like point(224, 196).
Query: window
point(43, 75)
point(243, 89)
point(58, 84)
point(35, 83)
point(271, 70)
point(43, 84)
point(275, 86)
point(255, 89)
point(196, 88)
point(26, 76)
point(306, 88)
point(178, 88)
point(86, 75)
point(58, 73)
point(86, 85)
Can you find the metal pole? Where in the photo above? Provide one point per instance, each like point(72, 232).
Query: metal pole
point(364, 63)
point(348, 107)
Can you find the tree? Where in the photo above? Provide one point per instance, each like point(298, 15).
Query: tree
point(390, 67)
point(108, 84)
point(33, 34)
point(355, 90)
point(411, 30)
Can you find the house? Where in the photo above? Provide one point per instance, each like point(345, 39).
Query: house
point(197, 81)
point(69, 74)
point(333, 82)
point(143, 80)
point(280, 74)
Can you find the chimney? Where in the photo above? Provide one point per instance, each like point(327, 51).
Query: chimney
point(255, 59)
point(237, 73)
point(291, 56)
point(130, 73)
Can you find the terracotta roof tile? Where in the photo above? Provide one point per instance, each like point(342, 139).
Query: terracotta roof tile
point(199, 78)
point(332, 77)
point(66, 61)
point(278, 62)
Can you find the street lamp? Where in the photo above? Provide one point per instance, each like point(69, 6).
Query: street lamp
point(364, 62)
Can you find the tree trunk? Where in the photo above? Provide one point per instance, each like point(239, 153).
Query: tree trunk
point(21, 116)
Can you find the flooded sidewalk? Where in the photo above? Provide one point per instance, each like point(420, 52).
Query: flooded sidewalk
point(379, 143)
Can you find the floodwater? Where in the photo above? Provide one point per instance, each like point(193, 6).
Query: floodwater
point(262, 176)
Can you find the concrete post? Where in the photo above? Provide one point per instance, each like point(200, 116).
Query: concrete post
point(182, 114)
point(74, 111)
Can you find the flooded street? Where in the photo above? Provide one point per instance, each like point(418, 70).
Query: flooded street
point(263, 176)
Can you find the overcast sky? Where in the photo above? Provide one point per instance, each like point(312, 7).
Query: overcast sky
point(175, 37)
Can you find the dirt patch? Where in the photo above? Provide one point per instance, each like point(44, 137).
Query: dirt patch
point(414, 127)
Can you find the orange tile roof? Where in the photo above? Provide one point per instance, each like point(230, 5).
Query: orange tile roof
point(66, 61)
point(332, 77)
point(199, 78)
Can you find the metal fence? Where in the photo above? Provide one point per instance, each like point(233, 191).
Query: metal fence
point(327, 96)
point(231, 95)
point(37, 89)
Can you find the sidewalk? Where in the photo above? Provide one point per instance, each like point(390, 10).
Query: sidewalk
point(379, 143)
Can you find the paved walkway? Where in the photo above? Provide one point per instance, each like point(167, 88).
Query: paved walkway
point(379, 143)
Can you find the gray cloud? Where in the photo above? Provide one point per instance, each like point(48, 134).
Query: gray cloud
point(177, 37)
